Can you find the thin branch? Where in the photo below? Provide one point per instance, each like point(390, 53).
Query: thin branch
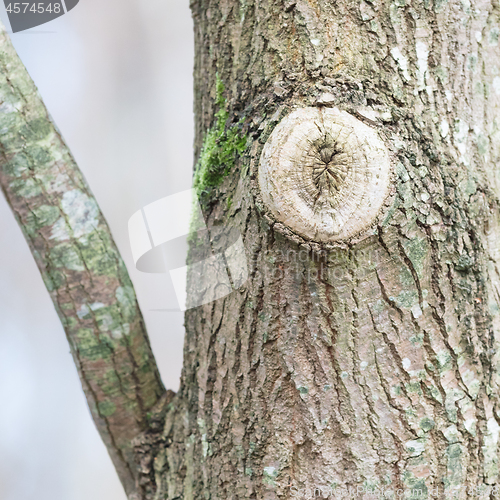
point(80, 264)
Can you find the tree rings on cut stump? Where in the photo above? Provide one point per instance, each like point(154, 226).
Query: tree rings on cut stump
point(324, 174)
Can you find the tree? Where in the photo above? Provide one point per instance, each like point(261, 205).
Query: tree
point(342, 365)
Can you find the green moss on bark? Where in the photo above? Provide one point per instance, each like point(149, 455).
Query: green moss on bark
point(221, 147)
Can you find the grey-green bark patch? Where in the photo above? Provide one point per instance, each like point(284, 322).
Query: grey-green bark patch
point(90, 347)
point(493, 36)
point(406, 278)
point(468, 186)
point(270, 475)
point(426, 424)
point(60, 230)
point(82, 212)
point(53, 280)
point(391, 212)
point(64, 255)
point(464, 263)
point(445, 360)
point(439, 4)
point(406, 298)
point(106, 408)
point(405, 190)
point(416, 251)
point(85, 310)
point(110, 382)
point(126, 297)
point(454, 478)
point(417, 488)
point(414, 387)
point(27, 188)
point(17, 165)
point(35, 130)
point(417, 339)
point(220, 148)
point(490, 450)
point(39, 155)
point(107, 318)
point(98, 252)
point(45, 215)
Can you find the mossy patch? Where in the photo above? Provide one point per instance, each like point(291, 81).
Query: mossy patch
point(126, 299)
point(17, 165)
point(65, 256)
point(91, 347)
point(98, 251)
point(42, 216)
point(25, 188)
point(220, 148)
point(36, 130)
point(106, 408)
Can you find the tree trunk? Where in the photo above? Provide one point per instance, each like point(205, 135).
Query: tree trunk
point(366, 365)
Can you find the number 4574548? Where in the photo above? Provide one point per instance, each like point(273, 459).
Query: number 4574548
point(41, 8)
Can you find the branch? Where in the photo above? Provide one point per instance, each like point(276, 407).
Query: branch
point(80, 265)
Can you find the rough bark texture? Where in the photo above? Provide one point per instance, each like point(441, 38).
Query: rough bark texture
point(375, 364)
point(370, 366)
point(81, 267)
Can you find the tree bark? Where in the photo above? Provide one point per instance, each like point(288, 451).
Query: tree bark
point(373, 364)
point(368, 365)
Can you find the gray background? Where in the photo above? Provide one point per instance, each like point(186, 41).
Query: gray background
point(117, 78)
